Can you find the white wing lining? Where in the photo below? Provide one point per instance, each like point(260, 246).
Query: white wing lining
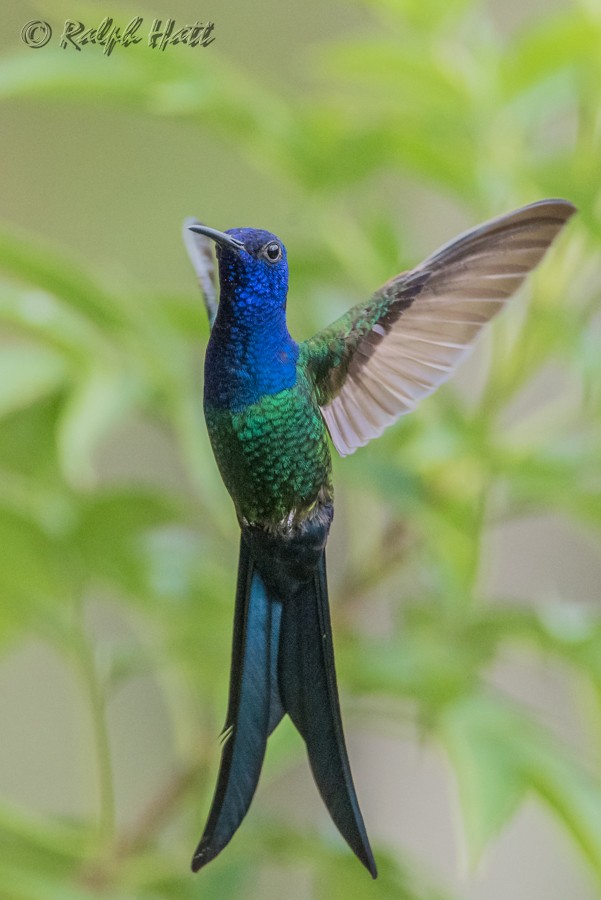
point(471, 280)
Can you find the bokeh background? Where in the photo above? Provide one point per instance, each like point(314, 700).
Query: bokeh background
point(465, 563)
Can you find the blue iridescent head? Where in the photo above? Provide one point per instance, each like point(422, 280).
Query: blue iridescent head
point(250, 353)
point(253, 268)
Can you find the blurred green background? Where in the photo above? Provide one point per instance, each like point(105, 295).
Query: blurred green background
point(464, 561)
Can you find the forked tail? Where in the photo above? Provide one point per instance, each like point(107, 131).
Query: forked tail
point(282, 661)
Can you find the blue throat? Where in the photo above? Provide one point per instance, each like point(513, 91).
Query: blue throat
point(250, 352)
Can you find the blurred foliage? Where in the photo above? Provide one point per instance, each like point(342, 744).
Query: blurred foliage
point(435, 94)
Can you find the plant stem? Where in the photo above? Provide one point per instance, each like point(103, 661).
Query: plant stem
point(160, 810)
point(97, 706)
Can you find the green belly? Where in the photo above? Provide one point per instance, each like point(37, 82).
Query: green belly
point(273, 456)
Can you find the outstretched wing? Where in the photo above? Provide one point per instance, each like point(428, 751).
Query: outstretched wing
point(380, 359)
point(200, 251)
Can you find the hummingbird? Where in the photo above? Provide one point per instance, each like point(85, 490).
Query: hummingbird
point(273, 407)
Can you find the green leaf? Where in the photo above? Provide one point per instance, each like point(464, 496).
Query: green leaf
point(37, 262)
point(338, 876)
point(567, 40)
point(31, 883)
point(478, 735)
point(92, 410)
point(32, 563)
point(39, 857)
point(114, 535)
point(499, 754)
point(27, 373)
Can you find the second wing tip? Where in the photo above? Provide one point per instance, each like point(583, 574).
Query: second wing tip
point(188, 221)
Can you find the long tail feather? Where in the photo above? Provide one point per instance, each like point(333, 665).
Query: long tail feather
point(283, 661)
point(253, 712)
point(310, 696)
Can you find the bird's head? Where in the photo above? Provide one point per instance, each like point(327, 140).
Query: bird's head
point(253, 268)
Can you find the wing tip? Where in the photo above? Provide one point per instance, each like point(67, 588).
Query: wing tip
point(556, 207)
point(566, 207)
point(189, 237)
point(538, 223)
point(192, 241)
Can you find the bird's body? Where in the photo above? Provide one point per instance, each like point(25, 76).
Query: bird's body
point(273, 454)
point(270, 405)
point(266, 429)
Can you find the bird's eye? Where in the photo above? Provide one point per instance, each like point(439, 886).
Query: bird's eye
point(273, 252)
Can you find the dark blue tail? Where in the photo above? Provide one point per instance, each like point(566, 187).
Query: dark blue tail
point(282, 661)
point(254, 708)
point(310, 697)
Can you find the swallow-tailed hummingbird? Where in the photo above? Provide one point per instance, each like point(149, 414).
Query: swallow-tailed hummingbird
point(273, 407)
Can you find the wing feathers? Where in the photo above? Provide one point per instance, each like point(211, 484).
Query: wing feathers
point(200, 251)
point(420, 324)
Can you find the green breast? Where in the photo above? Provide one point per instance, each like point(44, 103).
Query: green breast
point(273, 455)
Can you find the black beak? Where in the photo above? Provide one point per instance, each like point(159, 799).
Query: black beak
point(226, 240)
